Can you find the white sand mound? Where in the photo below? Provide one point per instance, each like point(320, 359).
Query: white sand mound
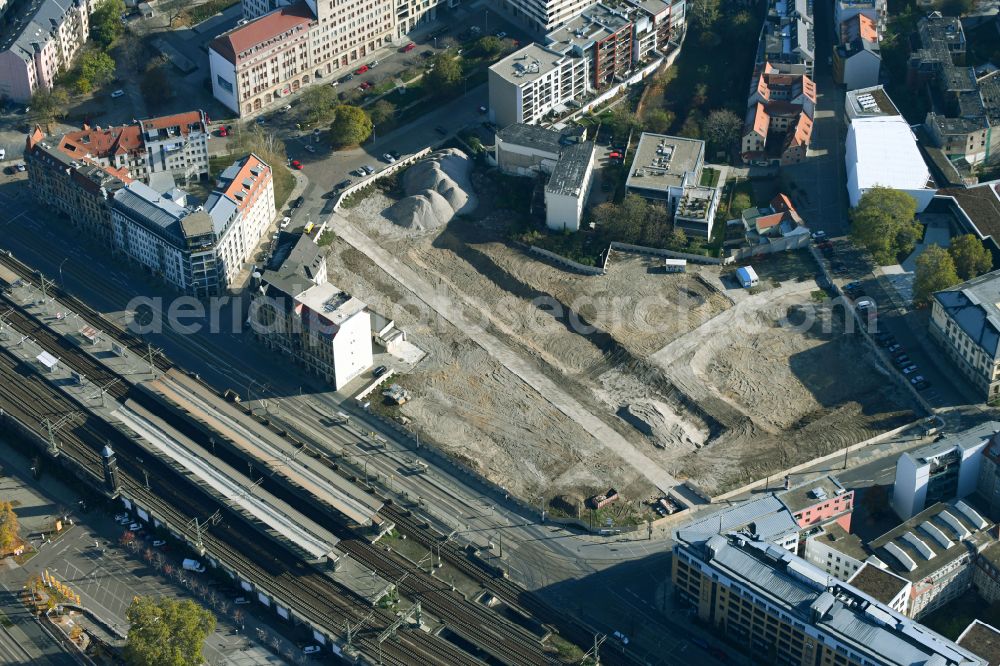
point(437, 188)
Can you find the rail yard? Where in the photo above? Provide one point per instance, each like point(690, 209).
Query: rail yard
point(180, 451)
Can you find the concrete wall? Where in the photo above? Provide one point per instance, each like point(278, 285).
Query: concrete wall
point(221, 68)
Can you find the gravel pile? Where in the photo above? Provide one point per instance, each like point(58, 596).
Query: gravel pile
point(437, 188)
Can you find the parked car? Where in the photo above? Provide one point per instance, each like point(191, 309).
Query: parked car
point(615, 156)
point(158, 542)
point(135, 526)
point(241, 601)
point(409, 47)
point(285, 221)
point(118, 93)
point(895, 348)
point(427, 54)
point(910, 369)
point(395, 154)
point(482, 109)
point(819, 236)
point(3, 153)
point(373, 64)
point(297, 202)
point(21, 168)
point(360, 173)
point(388, 158)
point(365, 85)
point(902, 361)
point(223, 131)
point(921, 385)
point(296, 165)
point(361, 70)
point(310, 649)
point(379, 371)
point(501, 34)
point(286, 108)
point(9, 170)
point(347, 77)
point(852, 286)
point(621, 637)
point(121, 516)
point(369, 169)
point(342, 184)
point(916, 380)
point(311, 149)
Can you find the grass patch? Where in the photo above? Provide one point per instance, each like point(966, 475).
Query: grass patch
point(818, 295)
point(326, 238)
point(583, 247)
point(199, 13)
point(568, 652)
point(710, 177)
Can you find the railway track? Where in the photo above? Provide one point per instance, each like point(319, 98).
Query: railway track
point(30, 399)
point(473, 622)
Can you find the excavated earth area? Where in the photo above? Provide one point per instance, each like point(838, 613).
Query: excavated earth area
point(716, 393)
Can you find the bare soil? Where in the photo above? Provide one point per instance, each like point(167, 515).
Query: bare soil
point(714, 392)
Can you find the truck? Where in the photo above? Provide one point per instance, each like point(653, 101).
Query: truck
point(193, 565)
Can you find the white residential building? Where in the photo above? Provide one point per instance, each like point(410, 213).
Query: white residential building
point(530, 83)
point(569, 186)
point(197, 249)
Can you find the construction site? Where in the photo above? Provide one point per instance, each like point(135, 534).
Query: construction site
point(690, 377)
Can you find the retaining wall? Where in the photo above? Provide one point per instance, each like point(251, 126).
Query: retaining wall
point(381, 173)
point(567, 263)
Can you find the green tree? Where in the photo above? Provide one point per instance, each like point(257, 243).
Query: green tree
point(970, 256)
point(445, 75)
point(721, 128)
point(105, 22)
point(490, 46)
point(155, 84)
point(48, 105)
point(935, 271)
point(658, 121)
point(382, 111)
point(9, 530)
point(956, 7)
point(318, 105)
point(96, 69)
point(704, 13)
point(351, 125)
point(166, 632)
point(883, 222)
point(691, 128)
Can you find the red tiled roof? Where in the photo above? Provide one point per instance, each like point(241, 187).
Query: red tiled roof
point(235, 42)
point(236, 184)
point(768, 221)
point(782, 203)
point(101, 142)
point(803, 131)
point(761, 120)
point(859, 26)
point(183, 121)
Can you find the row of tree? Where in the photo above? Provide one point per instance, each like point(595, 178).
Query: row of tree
point(939, 268)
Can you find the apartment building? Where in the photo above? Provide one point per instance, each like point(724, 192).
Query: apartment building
point(80, 190)
point(668, 169)
point(531, 83)
point(819, 502)
point(778, 608)
point(944, 470)
point(883, 586)
point(834, 550)
point(174, 145)
point(198, 249)
point(935, 550)
point(875, 11)
point(40, 43)
point(965, 321)
point(257, 65)
point(857, 59)
point(779, 117)
point(966, 110)
point(543, 16)
point(320, 327)
point(601, 35)
point(787, 39)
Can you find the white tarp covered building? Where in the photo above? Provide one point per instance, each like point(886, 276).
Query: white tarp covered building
point(883, 151)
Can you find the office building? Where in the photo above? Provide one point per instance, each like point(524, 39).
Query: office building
point(533, 82)
point(941, 471)
point(965, 321)
point(320, 327)
point(256, 66)
point(40, 43)
point(935, 550)
point(778, 608)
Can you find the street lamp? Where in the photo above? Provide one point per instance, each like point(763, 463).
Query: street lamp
point(62, 283)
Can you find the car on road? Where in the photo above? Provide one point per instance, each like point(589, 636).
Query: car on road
point(286, 108)
point(361, 70)
point(818, 236)
point(910, 369)
point(369, 169)
point(118, 93)
point(864, 304)
point(895, 348)
point(615, 156)
point(241, 601)
point(311, 149)
point(21, 168)
point(482, 109)
point(347, 77)
point(373, 64)
point(297, 202)
point(158, 542)
point(135, 526)
point(310, 649)
point(501, 34)
point(621, 637)
point(379, 371)
point(285, 221)
point(342, 184)
point(295, 164)
point(389, 159)
point(409, 47)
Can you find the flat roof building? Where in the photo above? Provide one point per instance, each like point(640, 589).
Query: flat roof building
point(871, 102)
point(982, 639)
point(883, 586)
point(569, 186)
point(882, 151)
point(534, 81)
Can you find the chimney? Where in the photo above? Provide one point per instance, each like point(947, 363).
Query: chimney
point(110, 466)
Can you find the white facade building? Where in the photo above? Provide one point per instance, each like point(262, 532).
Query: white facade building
point(530, 83)
point(569, 186)
point(882, 151)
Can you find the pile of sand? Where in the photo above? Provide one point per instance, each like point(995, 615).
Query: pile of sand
point(437, 188)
